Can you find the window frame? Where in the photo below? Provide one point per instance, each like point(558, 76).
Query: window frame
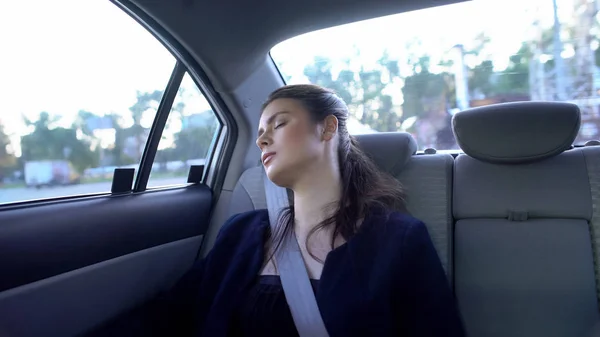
point(222, 146)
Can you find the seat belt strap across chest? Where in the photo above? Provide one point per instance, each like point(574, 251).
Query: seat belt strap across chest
point(292, 270)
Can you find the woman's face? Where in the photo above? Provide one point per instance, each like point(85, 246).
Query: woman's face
point(289, 140)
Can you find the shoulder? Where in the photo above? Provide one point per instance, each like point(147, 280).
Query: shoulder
point(243, 224)
point(400, 219)
point(397, 225)
point(241, 232)
point(400, 234)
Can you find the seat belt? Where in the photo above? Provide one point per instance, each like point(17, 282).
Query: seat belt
point(292, 271)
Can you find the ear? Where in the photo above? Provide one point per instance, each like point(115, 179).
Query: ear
point(330, 126)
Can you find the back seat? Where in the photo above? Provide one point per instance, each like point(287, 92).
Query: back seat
point(523, 205)
point(426, 178)
point(515, 220)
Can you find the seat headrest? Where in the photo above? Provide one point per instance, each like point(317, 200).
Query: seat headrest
point(520, 132)
point(389, 150)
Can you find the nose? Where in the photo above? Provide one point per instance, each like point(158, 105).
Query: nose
point(263, 140)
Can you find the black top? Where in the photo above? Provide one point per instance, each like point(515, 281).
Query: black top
point(387, 280)
point(264, 310)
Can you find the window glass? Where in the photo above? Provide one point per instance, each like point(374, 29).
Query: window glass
point(403, 73)
point(80, 96)
point(187, 137)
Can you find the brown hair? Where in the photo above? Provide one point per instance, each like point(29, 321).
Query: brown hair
point(364, 186)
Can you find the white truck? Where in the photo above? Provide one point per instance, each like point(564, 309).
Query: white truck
point(42, 173)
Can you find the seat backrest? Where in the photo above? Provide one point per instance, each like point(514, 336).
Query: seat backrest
point(426, 178)
point(522, 201)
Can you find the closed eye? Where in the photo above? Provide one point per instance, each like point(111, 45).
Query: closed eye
point(280, 125)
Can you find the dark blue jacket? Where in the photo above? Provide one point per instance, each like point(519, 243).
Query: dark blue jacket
point(385, 281)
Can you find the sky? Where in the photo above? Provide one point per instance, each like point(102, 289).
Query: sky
point(62, 56)
point(506, 22)
point(65, 55)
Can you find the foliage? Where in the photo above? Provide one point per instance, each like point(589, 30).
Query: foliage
point(8, 161)
point(55, 143)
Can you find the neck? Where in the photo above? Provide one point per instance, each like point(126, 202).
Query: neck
point(320, 188)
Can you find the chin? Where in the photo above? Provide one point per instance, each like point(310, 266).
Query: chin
point(280, 176)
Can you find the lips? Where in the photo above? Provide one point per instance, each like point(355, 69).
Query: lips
point(267, 157)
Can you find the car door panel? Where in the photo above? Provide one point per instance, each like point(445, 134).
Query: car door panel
point(70, 266)
point(78, 301)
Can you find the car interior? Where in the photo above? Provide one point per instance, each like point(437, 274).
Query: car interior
point(514, 214)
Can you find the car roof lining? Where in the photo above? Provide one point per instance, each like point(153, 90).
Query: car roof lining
point(230, 39)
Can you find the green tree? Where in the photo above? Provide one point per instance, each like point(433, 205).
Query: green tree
point(8, 161)
point(481, 79)
point(515, 78)
point(190, 143)
point(82, 122)
point(121, 154)
point(56, 143)
point(427, 95)
point(320, 72)
point(194, 142)
point(194, 138)
point(144, 101)
point(117, 155)
point(481, 42)
point(422, 89)
point(363, 91)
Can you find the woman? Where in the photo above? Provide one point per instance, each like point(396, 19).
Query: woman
point(374, 271)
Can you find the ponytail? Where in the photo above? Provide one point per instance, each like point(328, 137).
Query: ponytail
point(364, 187)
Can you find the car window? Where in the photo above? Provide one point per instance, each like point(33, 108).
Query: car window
point(81, 82)
point(403, 73)
point(187, 137)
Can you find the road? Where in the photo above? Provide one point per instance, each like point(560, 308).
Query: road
point(22, 194)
